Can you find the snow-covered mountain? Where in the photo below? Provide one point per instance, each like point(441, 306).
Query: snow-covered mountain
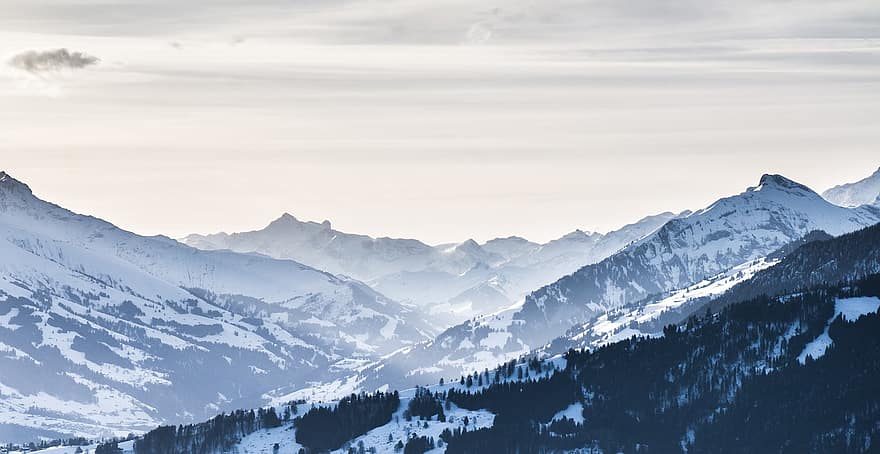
point(688, 257)
point(732, 231)
point(104, 330)
point(454, 282)
point(864, 191)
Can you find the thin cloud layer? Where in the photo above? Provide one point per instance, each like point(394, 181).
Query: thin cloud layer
point(51, 60)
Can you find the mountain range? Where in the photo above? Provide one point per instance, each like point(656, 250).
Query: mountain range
point(103, 331)
point(451, 282)
point(692, 256)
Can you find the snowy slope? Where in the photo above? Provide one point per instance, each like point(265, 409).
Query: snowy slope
point(120, 329)
point(728, 233)
point(398, 428)
point(454, 282)
point(647, 318)
point(864, 191)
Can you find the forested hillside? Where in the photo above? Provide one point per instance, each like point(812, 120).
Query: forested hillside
point(728, 382)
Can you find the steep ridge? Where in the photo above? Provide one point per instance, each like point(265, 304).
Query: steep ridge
point(730, 232)
point(105, 330)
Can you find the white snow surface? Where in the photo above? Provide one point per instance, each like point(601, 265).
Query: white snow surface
point(574, 412)
point(399, 429)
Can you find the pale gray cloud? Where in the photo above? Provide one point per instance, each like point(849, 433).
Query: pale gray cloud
point(35, 61)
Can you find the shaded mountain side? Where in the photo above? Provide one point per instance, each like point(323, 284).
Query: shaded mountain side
point(839, 260)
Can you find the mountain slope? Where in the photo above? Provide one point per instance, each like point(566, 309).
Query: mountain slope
point(864, 191)
point(112, 320)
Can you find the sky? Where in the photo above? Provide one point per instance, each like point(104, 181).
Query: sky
point(440, 120)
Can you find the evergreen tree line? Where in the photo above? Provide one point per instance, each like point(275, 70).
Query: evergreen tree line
point(217, 434)
point(533, 398)
point(328, 428)
point(418, 445)
point(45, 444)
point(424, 405)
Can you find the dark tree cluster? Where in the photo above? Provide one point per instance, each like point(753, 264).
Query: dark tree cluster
point(418, 445)
point(328, 428)
point(46, 444)
point(108, 448)
point(217, 434)
point(537, 398)
point(425, 405)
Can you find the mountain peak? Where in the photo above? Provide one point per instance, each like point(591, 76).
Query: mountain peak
point(779, 181)
point(285, 220)
point(469, 244)
point(288, 222)
point(9, 184)
point(512, 238)
point(578, 235)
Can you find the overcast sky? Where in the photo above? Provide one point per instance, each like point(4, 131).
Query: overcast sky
point(434, 119)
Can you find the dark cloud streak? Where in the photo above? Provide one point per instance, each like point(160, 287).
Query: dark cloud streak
point(51, 60)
